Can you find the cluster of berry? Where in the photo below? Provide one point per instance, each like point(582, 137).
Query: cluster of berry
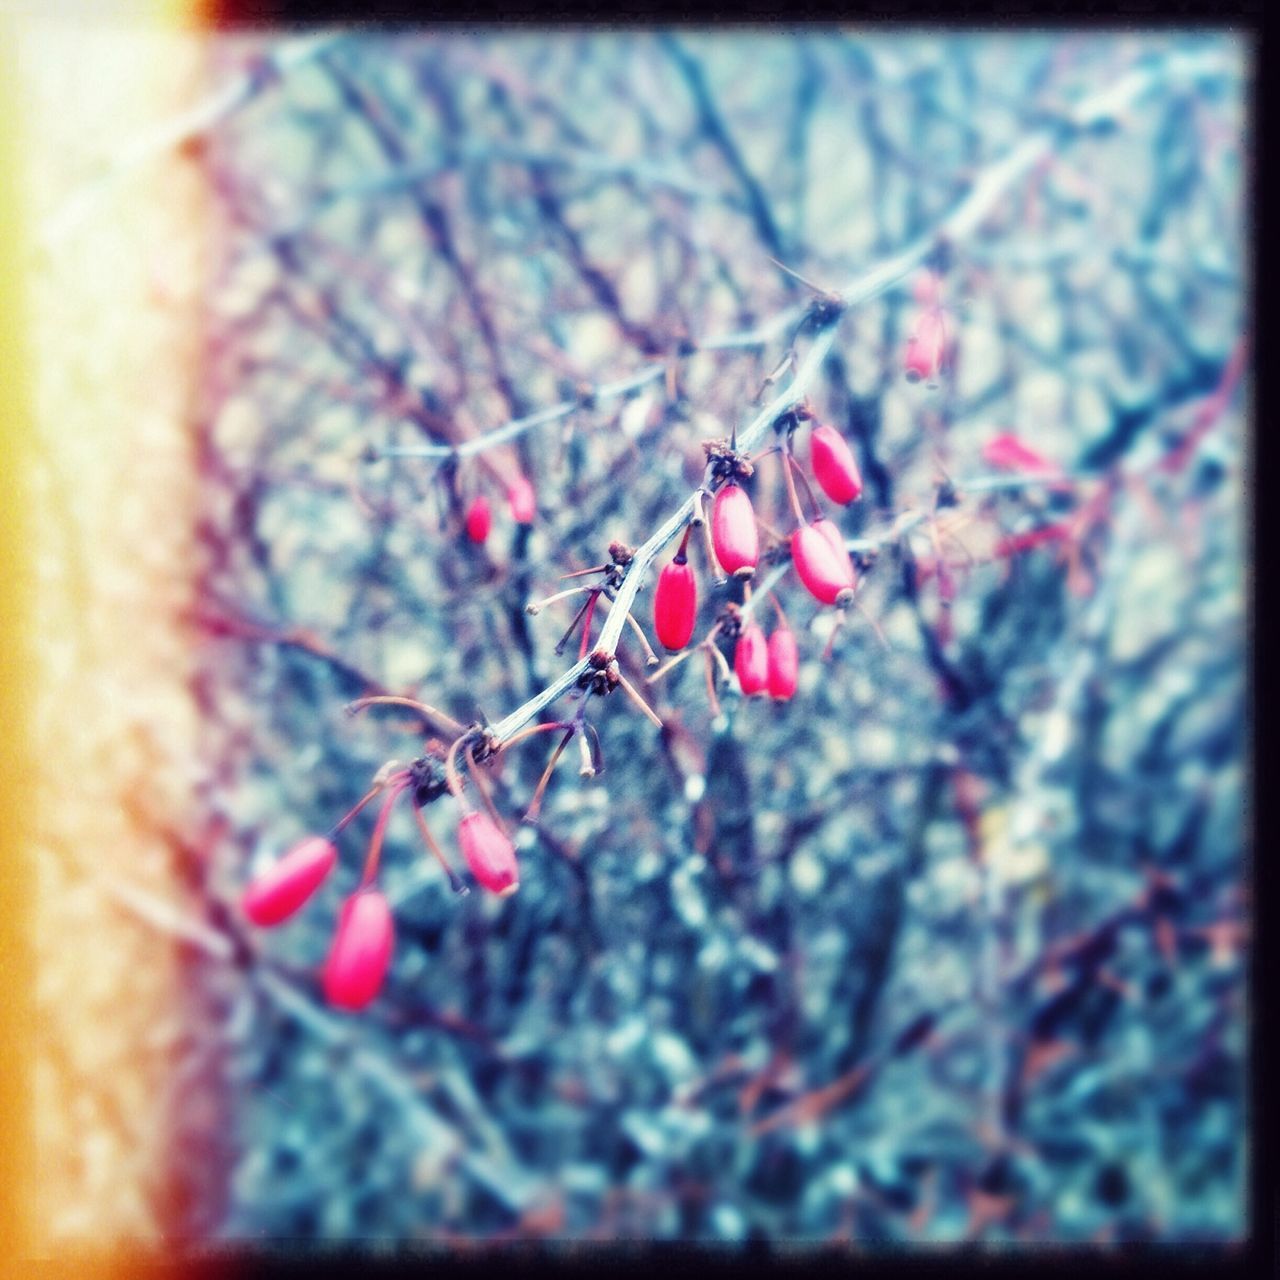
point(360, 954)
point(821, 559)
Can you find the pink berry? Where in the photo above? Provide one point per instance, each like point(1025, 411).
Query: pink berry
point(283, 888)
point(833, 535)
point(834, 465)
point(733, 531)
point(751, 660)
point(1008, 453)
point(926, 347)
point(361, 952)
point(479, 519)
point(522, 502)
point(927, 289)
point(489, 854)
point(827, 577)
point(784, 664)
point(675, 604)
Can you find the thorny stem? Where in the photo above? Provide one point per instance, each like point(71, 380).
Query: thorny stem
point(958, 226)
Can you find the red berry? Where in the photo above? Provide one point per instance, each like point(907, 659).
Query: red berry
point(827, 576)
point(1008, 453)
point(926, 347)
point(675, 604)
point(833, 535)
point(733, 530)
point(361, 952)
point(280, 890)
point(784, 664)
point(834, 465)
point(522, 502)
point(751, 660)
point(489, 854)
point(479, 519)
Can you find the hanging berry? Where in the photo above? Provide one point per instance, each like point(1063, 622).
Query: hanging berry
point(675, 603)
point(828, 577)
point(489, 854)
point(833, 535)
point(361, 952)
point(733, 531)
point(784, 664)
point(834, 465)
point(479, 519)
point(283, 888)
point(751, 660)
point(926, 347)
point(522, 502)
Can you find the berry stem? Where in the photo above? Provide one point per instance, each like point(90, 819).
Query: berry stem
point(782, 617)
point(590, 613)
point(482, 787)
point(535, 805)
point(427, 712)
point(455, 881)
point(787, 464)
point(347, 818)
point(379, 831)
point(804, 480)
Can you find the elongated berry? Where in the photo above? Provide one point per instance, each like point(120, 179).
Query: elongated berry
point(751, 660)
point(675, 604)
point(522, 502)
point(926, 347)
point(784, 664)
point(489, 854)
point(283, 888)
point(927, 289)
point(479, 519)
point(1008, 453)
point(834, 465)
point(733, 531)
point(361, 952)
point(826, 576)
point(833, 535)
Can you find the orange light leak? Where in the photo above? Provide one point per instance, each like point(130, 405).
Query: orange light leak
point(102, 251)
